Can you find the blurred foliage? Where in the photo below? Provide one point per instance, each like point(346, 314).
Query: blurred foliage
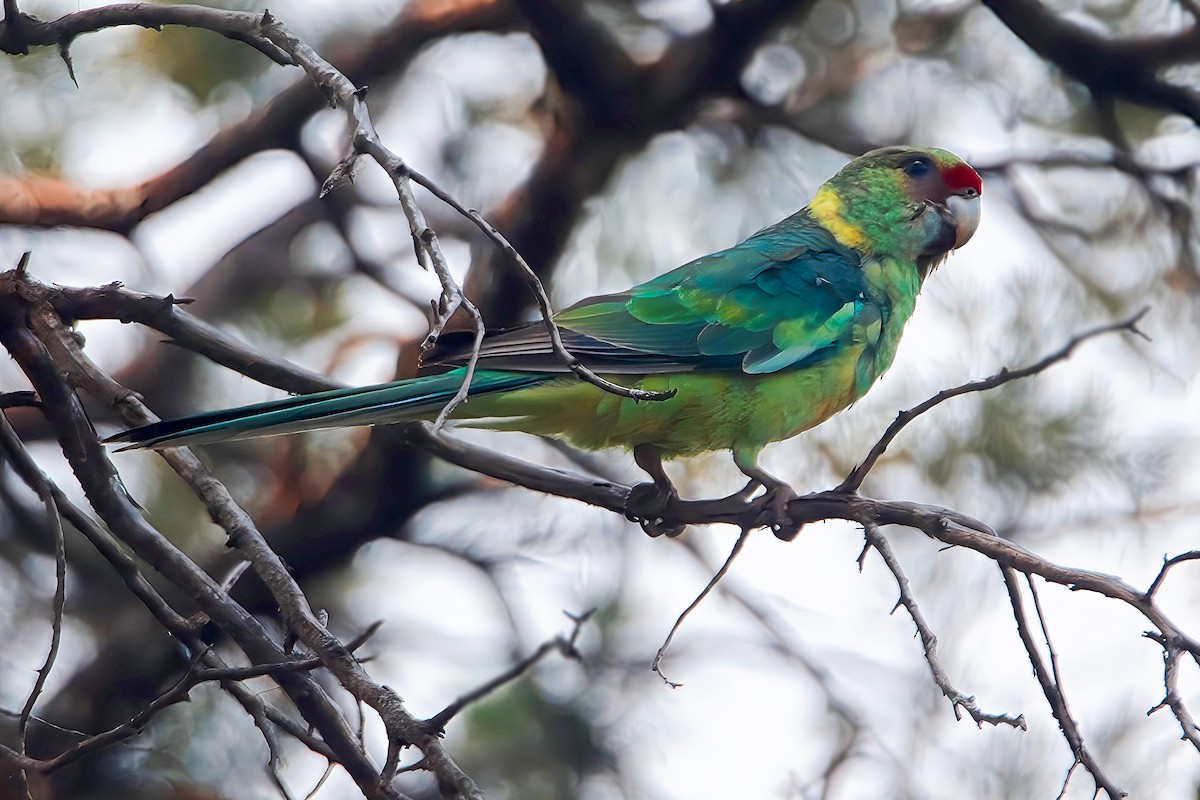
point(198, 61)
point(521, 745)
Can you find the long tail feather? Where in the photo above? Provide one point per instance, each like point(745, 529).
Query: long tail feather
point(341, 408)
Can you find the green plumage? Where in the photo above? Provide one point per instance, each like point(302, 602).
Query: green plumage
point(760, 341)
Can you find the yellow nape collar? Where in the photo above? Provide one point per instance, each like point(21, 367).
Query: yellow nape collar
point(826, 208)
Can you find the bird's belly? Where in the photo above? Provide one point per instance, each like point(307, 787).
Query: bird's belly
point(710, 411)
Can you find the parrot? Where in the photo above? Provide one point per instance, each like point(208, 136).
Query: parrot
point(757, 343)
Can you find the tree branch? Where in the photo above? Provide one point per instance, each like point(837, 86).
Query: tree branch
point(105, 491)
point(856, 477)
point(563, 644)
point(1131, 69)
point(1048, 679)
point(33, 200)
point(929, 642)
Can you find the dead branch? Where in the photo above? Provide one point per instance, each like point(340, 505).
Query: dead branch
point(929, 642)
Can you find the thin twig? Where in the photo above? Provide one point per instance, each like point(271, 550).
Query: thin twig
point(324, 777)
point(856, 477)
point(539, 293)
point(1047, 679)
point(958, 700)
point(95, 471)
point(1172, 699)
point(1067, 779)
point(563, 644)
point(1191, 555)
point(662, 651)
point(785, 644)
point(59, 605)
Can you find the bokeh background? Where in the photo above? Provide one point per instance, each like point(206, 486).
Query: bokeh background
point(612, 140)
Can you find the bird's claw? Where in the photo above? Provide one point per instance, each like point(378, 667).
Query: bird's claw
point(647, 504)
point(775, 500)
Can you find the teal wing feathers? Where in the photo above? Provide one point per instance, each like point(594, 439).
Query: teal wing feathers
point(785, 297)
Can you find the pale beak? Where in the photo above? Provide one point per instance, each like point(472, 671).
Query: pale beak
point(964, 209)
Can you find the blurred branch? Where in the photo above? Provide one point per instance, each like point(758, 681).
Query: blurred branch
point(1123, 69)
point(34, 200)
point(958, 700)
point(592, 132)
point(837, 705)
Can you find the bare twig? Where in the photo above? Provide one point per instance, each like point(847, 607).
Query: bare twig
point(958, 700)
point(1067, 779)
point(1191, 555)
point(99, 479)
point(324, 777)
point(1172, 699)
point(238, 25)
point(563, 644)
point(1047, 678)
point(662, 651)
point(859, 473)
point(785, 644)
point(59, 604)
point(539, 293)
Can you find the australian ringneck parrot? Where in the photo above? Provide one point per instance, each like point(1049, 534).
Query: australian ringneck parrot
point(760, 342)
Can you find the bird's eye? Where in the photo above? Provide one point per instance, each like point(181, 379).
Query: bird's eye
point(918, 169)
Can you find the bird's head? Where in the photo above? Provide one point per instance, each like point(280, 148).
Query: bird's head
point(907, 202)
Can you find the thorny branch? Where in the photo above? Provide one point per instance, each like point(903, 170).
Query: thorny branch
point(959, 701)
point(59, 605)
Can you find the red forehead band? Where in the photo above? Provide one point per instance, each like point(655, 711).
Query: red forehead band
point(961, 176)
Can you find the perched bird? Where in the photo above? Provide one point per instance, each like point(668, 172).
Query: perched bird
point(760, 342)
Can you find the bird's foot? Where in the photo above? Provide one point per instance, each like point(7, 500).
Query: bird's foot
point(775, 500)
point(647, 505)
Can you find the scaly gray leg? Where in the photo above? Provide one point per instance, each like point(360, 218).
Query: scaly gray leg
point(648, 501)
point(778, 494)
